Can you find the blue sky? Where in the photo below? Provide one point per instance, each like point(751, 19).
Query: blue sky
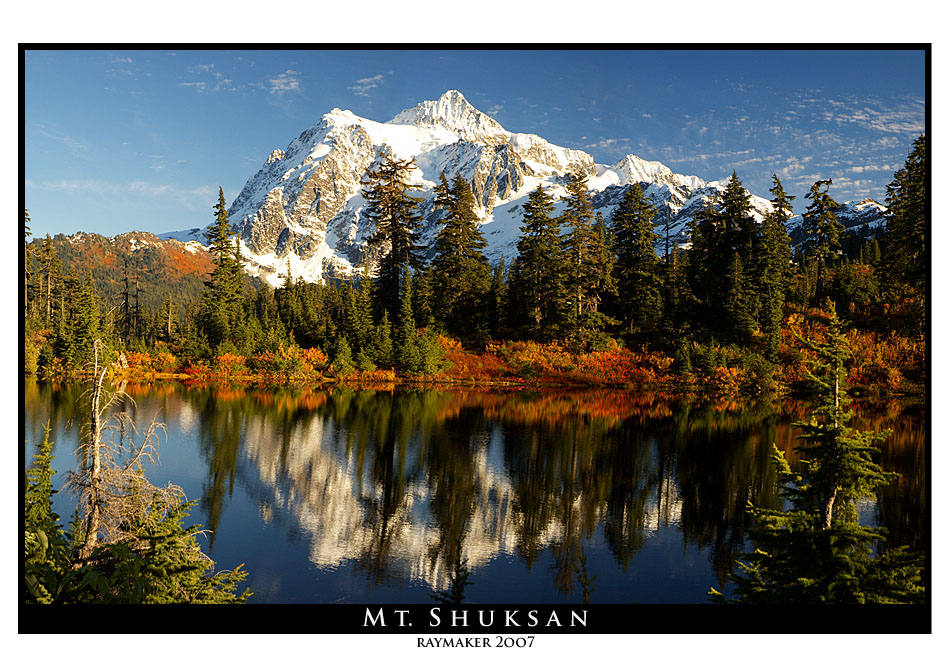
point(141, 139)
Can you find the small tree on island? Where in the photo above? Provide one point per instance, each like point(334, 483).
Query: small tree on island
point(817, 552)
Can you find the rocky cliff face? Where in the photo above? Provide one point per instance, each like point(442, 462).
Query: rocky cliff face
point(302, 210)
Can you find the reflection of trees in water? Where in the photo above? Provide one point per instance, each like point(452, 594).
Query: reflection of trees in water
point(570, 463)
point(454, 493)
point(721, 462)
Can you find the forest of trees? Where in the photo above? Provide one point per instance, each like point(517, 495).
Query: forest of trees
point(582, 280)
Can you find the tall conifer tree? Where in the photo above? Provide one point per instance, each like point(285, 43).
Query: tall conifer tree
point(822, 230)
point(393, 211)
point(577, 219)
point(223, 305)
point(775, 256)
point(460, 269)
point(638, 278)
point(907, 240)
point(537, 276)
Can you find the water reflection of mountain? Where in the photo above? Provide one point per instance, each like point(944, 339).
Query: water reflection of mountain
point(389, 481)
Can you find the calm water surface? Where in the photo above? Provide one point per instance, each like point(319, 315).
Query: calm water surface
point(362, 495)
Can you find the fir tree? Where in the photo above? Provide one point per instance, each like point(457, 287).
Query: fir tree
point(342, 362)
point(722, 266)
point(908, 224)
point(393, 211)
point(907, 240)
point(822, 230)
point(406, 350)
point(638, 274)
point(424, 301)
point(742, 238)
point(577, 218)
point(537, 276)
point(50, 267)
point(710, 256)
point(46, 561)
point(736, 209)
point(380, 349)
point(459, 269)
point(222, 304)
point(775, 256)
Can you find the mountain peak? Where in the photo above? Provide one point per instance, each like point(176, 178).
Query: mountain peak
point(633, 169)
point(453, 112)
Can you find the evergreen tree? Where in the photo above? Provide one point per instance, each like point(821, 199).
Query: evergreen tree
point(577, 218)
point(907, 242)
point(361, 322)
point(459, 269)
point(736, 209)
point(742, 238)
point(817, 552)
point(775, 256)
point(406, 350)
point(638, 274)
point(602, 267)
point(342, 361)
point(722, 266)
point(393, 211)
point(380, 349)
point(223, 301)
point(424, 301)
point(84, 324)
point(710, 256)
point(908, 224)
point(50, 267)
point(822, 230)
point(46, 560)
point(537, 275)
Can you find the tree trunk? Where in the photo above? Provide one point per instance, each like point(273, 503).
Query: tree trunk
point(95, 464)
point(832, 490)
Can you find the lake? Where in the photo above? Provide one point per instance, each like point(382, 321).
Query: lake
point(363, 496)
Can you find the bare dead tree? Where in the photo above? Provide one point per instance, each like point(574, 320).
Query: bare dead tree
point(112, 488)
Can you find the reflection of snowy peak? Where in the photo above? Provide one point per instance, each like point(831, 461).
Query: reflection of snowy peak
point(303, 209)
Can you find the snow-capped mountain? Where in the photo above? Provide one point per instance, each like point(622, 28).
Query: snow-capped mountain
point(854, 216)
point(303, 209)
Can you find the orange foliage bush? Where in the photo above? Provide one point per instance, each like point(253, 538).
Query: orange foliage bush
point(517, 361)
point(228, 364)
point(878, 362)
point(145, 364)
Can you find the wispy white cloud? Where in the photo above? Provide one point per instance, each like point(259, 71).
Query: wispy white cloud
point(215, 81)
point(284, 82)
point(363, 86)
point(609, 143)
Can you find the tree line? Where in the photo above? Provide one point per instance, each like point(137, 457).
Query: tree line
point(578, 279)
